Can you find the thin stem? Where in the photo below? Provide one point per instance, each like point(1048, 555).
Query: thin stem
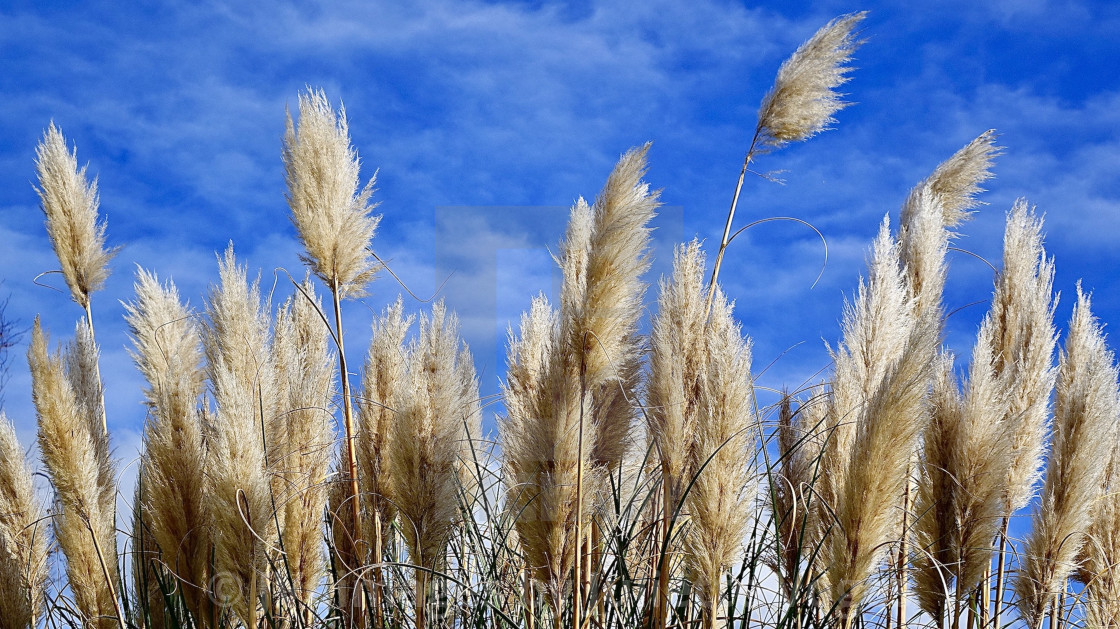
point(730, 218)
point(903, 550)
point(577, 583)
point(351, 459)
point(421, 598)
point(1001, 568)
point(661, 604)
point(105, 571)
point(378, 586)
point(530, 607)
point(986, 596)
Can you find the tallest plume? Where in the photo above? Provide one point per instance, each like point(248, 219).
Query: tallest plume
point(70, 203)
point(329, 210)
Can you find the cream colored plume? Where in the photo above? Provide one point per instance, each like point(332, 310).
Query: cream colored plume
point(384, 376)
point(960, 490)
point(238, 499)
point(721, 500)
point(1100, 564)
point(168, 351)
point(23, 536)
point(70, 203)
point(677, 365)
point(1085, 409)
point(301, 454)
point(932, 211)
point(330, 212)
point(877, 414)
point(75, 450)
point(803, 99)
point(430, 435)
point(568, 369)
point(1023, 341)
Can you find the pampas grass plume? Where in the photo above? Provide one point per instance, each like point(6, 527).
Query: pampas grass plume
point(168, 352)
point(330, 212)
point(239, 499)
point(803, 99)
point(721, 499)
point(1085, 409)
point(304, 436)
point(70, 203)
point(75, 458)
point(23, 536)
point(384, 376)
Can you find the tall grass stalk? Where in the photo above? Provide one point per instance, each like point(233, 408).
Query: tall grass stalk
point(1085, 408)
point(75, 451)
point(332, 217)
point(799, 105)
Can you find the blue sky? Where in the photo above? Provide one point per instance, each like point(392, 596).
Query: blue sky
point(486, 120)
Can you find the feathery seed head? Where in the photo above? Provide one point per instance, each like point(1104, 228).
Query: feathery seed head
point(1023, 342)
point(430, 436)
point(70, 203)
point(23, 536)
point(75, 452)
point(932, 211)
point(330, 213)
point(1086, 407)
point(721, 499)
point(170, 502)
point(300, 456)
point(384, 375)
point(956, 181)
point(241, 372)
point(803, 99)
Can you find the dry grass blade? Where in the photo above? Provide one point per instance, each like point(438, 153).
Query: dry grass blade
point(23, 536)
point(1085, 408)
point(70, 203)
